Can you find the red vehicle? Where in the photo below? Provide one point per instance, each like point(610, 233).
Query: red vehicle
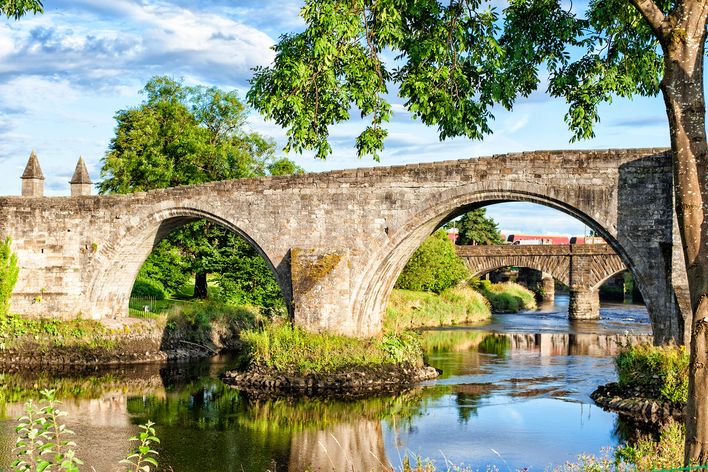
point(587, 240)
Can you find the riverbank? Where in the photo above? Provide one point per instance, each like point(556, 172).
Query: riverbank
point(506, 297)
point(193, 331)
point(409, 309)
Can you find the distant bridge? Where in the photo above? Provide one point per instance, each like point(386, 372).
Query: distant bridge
point(582, 267)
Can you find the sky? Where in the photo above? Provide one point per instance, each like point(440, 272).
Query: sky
point(64, 75)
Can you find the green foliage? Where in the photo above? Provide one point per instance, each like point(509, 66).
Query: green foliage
point(507, 297)
point(477, 228)
point(41, 443)
point(167, 266)
point(409, 310)
point(433, 267)
point(184, 135)
point(660, 372)
point(648, 454)
point(8, 275)
point(284, 166)
point(142, 457)
point(451, 63)
point(18, 8)
point(287, 348)
point(148, 288)
point(41, 439)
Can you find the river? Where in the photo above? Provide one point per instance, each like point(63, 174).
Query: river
point(514, 393)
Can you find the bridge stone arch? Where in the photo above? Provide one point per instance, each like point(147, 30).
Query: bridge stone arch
point(605, 210)
point(338, 240)
point(112, 281)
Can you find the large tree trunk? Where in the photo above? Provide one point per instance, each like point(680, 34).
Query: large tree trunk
point(201, 289)
point(682, 87)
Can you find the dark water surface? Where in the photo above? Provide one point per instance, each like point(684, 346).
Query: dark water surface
point(514, 393)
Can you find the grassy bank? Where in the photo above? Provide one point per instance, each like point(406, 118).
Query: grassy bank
point(282, 347)
point(408, 309)
point(660, 373)
point(507, 297)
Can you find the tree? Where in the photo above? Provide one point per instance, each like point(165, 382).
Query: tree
point(455, 61)
point(433, 267)
point(476, 228)
point(186, 135)
point(18, 8)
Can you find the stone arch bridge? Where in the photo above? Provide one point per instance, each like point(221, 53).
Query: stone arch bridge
point(337, 241)
point(581, 267)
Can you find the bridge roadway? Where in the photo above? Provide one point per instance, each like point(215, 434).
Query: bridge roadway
point(581, 267)
point(337, 241)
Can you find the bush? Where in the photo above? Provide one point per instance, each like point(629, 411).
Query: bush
point(166, 265)
point(660, 372)
point(505, 297)
point(433, 267)
point(409, 310)
point(148, 288)
point(8, 275)
point(287, 348)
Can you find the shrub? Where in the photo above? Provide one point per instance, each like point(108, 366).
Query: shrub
point(433, 267)
point(148, 288)
point(661, 372)
point(507, 296)
point(287, 348)
point(8, 275)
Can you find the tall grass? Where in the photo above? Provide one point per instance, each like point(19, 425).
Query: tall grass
point(507, 297)
point(286, 348)
point(660, 372)
point(408, 309)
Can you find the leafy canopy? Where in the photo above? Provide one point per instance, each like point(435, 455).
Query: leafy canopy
point(18, 8)
point(433, 267)
point(475, 227)
point(184, 135)
point(451, 63)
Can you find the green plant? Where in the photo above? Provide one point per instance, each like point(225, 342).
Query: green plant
point(41, 443)
point(287, 348)
point(433, 267)
point(659, 371)
point(141, 458)
point(9, 271)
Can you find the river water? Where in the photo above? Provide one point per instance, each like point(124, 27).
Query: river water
point(514, 393)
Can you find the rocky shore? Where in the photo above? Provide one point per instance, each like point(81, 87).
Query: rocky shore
point(347, 383)
point(636, 404)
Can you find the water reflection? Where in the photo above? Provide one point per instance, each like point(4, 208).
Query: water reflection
point(506, 397)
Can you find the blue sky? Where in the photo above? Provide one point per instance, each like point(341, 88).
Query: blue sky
point(64, 74)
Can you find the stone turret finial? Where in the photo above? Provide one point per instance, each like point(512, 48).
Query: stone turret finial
point(32, 178)
point(81, 181)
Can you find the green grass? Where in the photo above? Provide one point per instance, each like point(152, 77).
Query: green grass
point(507, 297)
point(285, 348)
point(660, 372)
point(408, 309)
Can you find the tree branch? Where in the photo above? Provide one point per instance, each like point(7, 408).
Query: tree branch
point(654, 16)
